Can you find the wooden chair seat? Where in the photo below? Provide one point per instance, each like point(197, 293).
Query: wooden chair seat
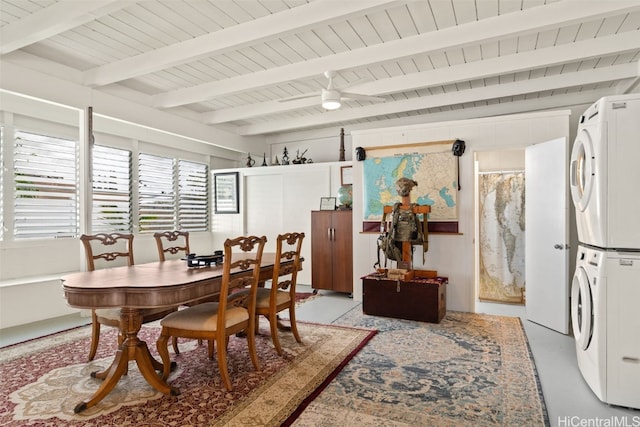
point(263, 299)
point(204, 318)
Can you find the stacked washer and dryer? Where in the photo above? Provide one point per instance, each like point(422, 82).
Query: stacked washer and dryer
point(605, 292)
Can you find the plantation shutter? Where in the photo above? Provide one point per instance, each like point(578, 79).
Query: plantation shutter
point(46, 186)
point(193, 196)
point(156, 194)
point(111, 180)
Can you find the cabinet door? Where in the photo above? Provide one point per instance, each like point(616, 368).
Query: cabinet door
point(342, 252)
point(321, 250)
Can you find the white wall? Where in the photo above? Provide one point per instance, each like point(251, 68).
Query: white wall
point(279, 199)
point(451, 255)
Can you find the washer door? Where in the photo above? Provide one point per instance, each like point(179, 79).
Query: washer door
point(582, 170)
point(581, 308)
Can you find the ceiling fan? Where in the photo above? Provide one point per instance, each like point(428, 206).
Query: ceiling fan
point(332, 96)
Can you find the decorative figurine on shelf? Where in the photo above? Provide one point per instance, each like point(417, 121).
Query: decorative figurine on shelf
point(300, 159)
point(264, 159)
point(250, 161)
point(341, 159)
point(276, 162)
point(285, 156)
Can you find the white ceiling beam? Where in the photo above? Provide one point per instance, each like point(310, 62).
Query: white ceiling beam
point(53, 20)
point(554, 82)
point(236, 37)
point(493, 110)
point(258, 109)
point(547, 57)
point(633, 84)
point(503, 65)
point(508, 25)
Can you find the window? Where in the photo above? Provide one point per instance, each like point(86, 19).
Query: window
point(43, 199)
point(111, 209)
point(172, 194)
point(46, 186)
point(193, 196)
point(156, 193)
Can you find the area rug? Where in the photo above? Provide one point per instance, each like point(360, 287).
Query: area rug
point(302, 297)
point(42, 380)
point(469, 370)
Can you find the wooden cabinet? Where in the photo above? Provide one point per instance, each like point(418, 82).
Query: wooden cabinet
point(331, 250)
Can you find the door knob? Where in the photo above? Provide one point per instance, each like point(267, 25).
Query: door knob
point(560, 246)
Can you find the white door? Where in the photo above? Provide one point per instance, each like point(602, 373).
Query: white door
point(547, 234)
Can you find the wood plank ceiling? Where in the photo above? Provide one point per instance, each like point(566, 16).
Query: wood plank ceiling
point(230, 63)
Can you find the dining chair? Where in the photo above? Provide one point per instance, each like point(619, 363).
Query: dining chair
point(282, 293)
point(217, 321)
point(173, 245)
point(112, 250)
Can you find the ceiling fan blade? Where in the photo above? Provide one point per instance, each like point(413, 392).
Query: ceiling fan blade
point(295, 98)
point(360, 97)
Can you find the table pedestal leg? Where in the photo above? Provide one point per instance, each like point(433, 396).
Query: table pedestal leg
point(131, 349)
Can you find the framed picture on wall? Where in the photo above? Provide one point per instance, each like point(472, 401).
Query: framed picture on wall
point(346, 175)
point(227, 193)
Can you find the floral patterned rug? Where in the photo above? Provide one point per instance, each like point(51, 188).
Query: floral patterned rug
point(469, 370)
point(42, 380)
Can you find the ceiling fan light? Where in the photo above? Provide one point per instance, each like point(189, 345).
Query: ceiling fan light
point(330, 99)
point(331, 105)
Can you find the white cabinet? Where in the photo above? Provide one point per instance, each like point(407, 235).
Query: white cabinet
point(279, 199)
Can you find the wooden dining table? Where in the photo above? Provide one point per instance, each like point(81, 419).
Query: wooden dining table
point(133, 288)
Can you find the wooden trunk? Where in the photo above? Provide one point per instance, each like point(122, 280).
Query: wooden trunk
point(418, 297)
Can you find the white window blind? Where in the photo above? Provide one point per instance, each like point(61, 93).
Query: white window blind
point(46, 186)
point(156, 193)
point(193, 196)
point(111, 182)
